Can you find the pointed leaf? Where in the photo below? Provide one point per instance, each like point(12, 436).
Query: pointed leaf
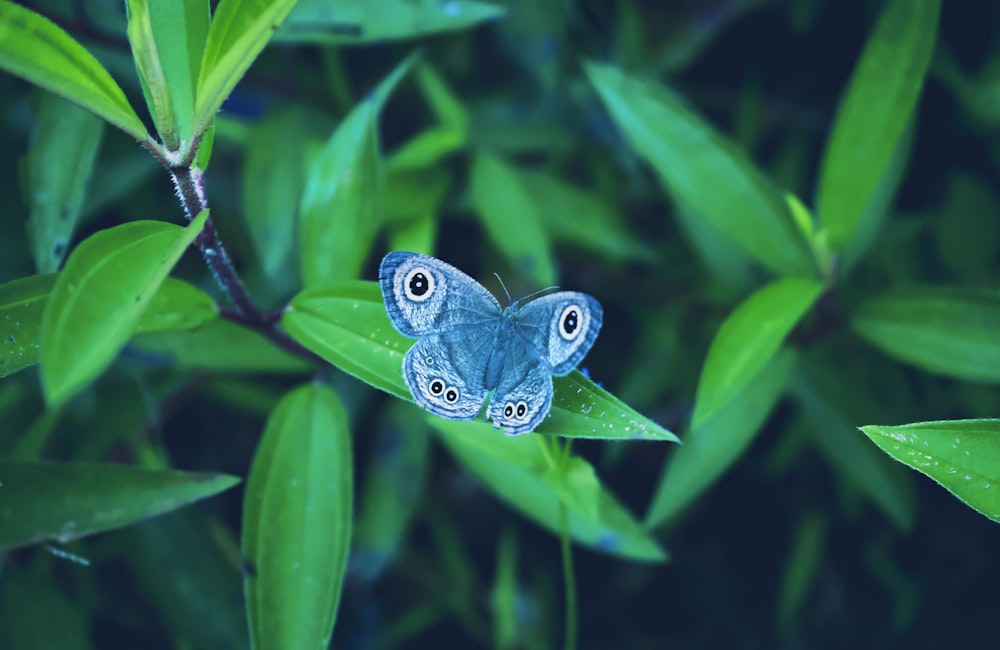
point(963, 456)
point(873, 116)
point(64, 145)
point(705, 172)
point(346, 324)
point(99, 297)
point(340, 208)
point(946, 330)
point(240, 29)
point(513, 468)
point(747, 340)
point(50, 501)
point(34, 48)
point(297, 521)
point(505, 207)
point(168, 40)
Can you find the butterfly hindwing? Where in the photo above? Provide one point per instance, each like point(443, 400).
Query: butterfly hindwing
point(441, 372)
point(561, 328)
point(523, 398)
point(424, 295)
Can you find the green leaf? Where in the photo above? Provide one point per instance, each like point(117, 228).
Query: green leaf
point(65, 141)
point(393, 489)
point(826, 410)
point(578, 217)
point(217, 346)
point(963, 456)
point(505, 207)
point(946, 330)
point(706, 173)
point(576, 484)
point(747, 340)
point(373, 21)
point(21, 305)
point(50, 501)
point(30, 600)
point(273, 179)
point(346, 324)
point(297, 521)
point(340, 207)
point(176, 305)
point(202, 561)
point(240, 29)
point(35, 49)
point(168, 40)
point(99, 297)
point(874, 113)
point(514, 469)
point(712, 447)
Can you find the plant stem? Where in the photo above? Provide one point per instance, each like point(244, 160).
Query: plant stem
point(569, 579)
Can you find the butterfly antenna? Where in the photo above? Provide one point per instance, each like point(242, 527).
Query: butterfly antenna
point(536, 293)
point(504, 286)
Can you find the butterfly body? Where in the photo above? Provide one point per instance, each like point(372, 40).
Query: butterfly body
point(469, 346)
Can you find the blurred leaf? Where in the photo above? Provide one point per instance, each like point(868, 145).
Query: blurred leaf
point(946, 330)
point(34, 48)
point(713, 446)
point(512, 218)
point(274, 176)
point(394, 487)
point(65, 140)
point(800, 570)
point(576, 484)
point(168, 40)
point(747, 340)
point(346, 324)
point(194, 583)
point(874, 112)
point(99, 297)
point(724, 259)
point(580, 218)
point(513, 468)
point(963, 456)
point(504, 596)
point(30, 601)
point(239, 31)
point(705, 172)
point(349, 22)
point(297, 521)
point(826, 407)
point(340, 205)
point(44, 500)
point(434, 143)
point(216, 346)
point(968, 236)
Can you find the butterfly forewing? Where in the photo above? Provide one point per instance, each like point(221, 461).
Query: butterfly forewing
point(560, 328)
point(424, 295)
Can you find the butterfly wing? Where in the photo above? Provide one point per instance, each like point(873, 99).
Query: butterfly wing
point(524, 395)
point(560, 328)
point(424, 295)
point(444, 373)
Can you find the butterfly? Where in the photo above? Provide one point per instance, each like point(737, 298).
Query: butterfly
point(468, 345)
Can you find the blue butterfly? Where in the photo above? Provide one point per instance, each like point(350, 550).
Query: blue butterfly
point(468, 345)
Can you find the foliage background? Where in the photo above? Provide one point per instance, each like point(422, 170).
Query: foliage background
point(790, 548)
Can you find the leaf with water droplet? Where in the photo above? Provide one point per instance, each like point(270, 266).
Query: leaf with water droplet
point(961, 455)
